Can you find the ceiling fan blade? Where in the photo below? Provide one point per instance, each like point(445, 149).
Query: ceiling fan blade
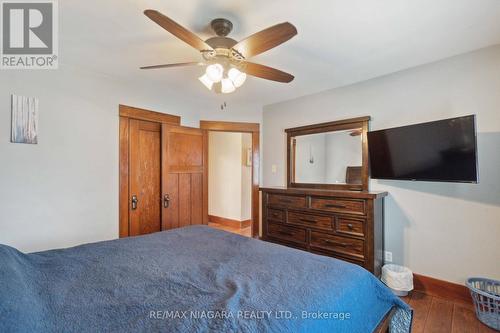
point(265, 40)
point(177, 30)
point(181, 64)
point(268, 73)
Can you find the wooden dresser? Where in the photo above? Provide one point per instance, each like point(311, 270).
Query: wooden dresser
point(347, 225)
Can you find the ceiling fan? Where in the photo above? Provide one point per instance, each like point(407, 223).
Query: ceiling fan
point(225, 58)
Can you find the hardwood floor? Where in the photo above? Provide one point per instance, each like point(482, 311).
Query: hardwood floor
point(247, 232)
point(436, 315)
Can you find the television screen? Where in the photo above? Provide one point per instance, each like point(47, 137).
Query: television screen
point(443, 150)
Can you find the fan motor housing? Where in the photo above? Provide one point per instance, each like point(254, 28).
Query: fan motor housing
point(221, 42)
point(222, 26)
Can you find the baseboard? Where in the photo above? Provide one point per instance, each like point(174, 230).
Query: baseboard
point(440, 288)
point(246, 223)
point(229, 222)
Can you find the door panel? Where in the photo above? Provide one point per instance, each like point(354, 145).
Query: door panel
point(186, 150)
point(145, 177)
point(184, 174)
point(197, 197)
point(171, 214)
point(184, 199)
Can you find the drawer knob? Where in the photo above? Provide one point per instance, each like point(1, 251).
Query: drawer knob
point(350, 226)
point(308, 220)
point(285, 233)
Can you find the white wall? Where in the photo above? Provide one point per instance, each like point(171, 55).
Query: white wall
point(448, 231)
point(225, 175)
point(64, 191)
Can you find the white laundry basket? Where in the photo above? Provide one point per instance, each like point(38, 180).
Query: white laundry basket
point(486, 296)
point(398, 278)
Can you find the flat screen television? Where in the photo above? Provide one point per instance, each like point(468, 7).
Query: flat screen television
point(441, 151)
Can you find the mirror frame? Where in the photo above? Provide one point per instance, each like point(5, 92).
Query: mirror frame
point(346, 124)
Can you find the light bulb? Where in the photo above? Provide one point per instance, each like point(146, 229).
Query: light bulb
point(237, 77)
point(215, 72)
point(206, 81)
point(227, 86)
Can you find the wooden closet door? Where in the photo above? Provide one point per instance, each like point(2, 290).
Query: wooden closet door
point(145, 177)
point(184, 176)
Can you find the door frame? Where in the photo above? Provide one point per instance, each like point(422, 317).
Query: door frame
point(126, 113)
point(254, 129)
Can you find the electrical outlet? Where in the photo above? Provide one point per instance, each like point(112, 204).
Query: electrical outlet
point(387, 256)
point(274, 168)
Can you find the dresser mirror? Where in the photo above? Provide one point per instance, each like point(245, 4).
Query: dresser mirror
point(329, 155)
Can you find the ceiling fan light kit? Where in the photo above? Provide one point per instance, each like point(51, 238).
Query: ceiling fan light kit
point(227, 86)
point(226, 59)
point(215, 72)
point(237, 77)
point(206, 81)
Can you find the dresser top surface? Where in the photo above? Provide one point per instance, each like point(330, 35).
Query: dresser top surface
point(326, 193)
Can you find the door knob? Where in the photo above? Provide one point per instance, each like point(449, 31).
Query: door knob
point(166, 201)
point(134, 202)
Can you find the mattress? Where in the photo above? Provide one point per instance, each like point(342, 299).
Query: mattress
point(193, 279)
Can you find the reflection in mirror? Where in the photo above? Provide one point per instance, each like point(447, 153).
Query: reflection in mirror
point(327, 158)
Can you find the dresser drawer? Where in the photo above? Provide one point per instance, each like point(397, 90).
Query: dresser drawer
point(343, 245)
point(339, 205)
point(350, 226)
point(311, 220)
point(287, 201)
point(276, 215)
point(295, 235)
point(356, 261)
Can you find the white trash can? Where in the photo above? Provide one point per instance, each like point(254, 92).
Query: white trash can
point(398, 278)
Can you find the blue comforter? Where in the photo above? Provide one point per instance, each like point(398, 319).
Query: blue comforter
point(194, 279)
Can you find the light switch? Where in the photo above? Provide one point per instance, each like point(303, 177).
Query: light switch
point(274, 168)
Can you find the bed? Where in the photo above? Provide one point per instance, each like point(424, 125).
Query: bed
point(193, 279)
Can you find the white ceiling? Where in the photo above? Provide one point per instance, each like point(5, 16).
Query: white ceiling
point(339, 42)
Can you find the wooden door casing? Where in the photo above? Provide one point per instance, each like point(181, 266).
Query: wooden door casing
point(184, 176)
point(145, 177)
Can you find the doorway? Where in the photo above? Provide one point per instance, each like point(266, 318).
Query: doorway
point(244, 178)
point(230, 182)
